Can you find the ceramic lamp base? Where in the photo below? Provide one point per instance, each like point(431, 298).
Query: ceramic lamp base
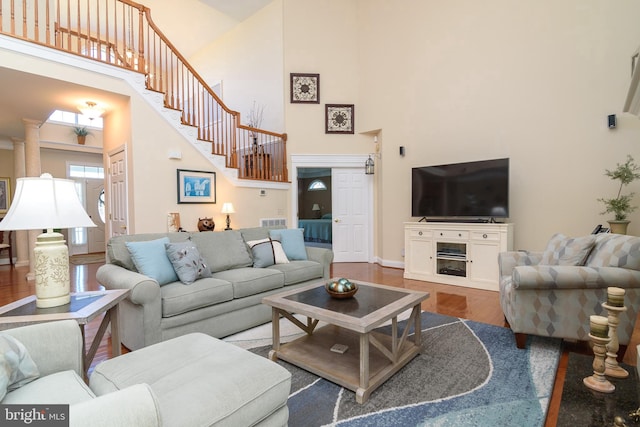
point(51, 268)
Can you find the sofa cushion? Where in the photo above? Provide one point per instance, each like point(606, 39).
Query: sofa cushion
point(224, 250)
point(252, 281)
point(200, 381)
point(257, 233)
point(118, 254)
point(267, 252)
point(292, 242)
point(150, 259)
point(64, 387)
point(563, 250)
point(299, 271)
point(187, 262)
point(178, 298)
point(16, 365)
point(615, 250)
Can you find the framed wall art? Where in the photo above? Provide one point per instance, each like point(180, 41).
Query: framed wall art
point(339, 118)
point(305, 88)
point(5, 195)
point(196, 186)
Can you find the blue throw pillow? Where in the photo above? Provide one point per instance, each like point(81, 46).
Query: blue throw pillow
point(150, 259)
point(292, 242)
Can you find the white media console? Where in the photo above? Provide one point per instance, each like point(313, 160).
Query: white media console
point(462, 254)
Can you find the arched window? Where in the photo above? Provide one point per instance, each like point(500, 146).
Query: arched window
point(317, 185)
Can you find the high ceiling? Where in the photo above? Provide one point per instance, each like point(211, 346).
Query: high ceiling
point(29, 96)
point(237, 9)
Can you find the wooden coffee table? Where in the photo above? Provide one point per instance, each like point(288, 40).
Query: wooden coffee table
point(371, 357)
point(83, 308)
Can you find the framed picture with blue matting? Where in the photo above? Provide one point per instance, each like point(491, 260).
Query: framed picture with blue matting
point(196, 186)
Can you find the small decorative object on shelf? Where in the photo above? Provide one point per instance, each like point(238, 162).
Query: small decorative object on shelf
point(599, 339)
point(341, 288)
point(206, 224)
point(81, 132)
point(614, 306)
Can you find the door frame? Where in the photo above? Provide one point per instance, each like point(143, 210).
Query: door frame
point(332, 161)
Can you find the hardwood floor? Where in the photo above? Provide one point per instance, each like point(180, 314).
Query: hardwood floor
point(473, 304)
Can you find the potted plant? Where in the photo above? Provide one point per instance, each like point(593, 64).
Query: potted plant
point(81, 132)
point(620, 206)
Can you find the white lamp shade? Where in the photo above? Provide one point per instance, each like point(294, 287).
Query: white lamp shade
point(315, 207)
point(45, 202)
point(227, 208)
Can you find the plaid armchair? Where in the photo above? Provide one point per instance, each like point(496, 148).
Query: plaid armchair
point(553, 293)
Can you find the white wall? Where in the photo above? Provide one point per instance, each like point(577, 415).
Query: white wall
point(248, 61)
point(464, 80)
point(532, 80)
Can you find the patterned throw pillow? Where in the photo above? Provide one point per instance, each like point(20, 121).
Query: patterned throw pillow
point(17, 368)
point(563, 250)
point(267, 252)
point(187, 262)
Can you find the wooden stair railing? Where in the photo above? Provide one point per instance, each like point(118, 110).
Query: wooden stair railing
point(122, 33)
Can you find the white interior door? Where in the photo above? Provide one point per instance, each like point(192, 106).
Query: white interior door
point(95, 203)
point(117, 208)
point(350, 211)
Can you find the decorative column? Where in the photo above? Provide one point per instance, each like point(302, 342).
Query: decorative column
point(21, 236)
point(614, 306)
point(32, 168)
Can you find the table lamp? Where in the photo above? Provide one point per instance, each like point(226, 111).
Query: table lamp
point(47, 203)
point(227, 208)
point(316, 208)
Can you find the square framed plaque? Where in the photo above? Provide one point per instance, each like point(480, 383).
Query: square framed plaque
point(305, 88)
point(339, 118)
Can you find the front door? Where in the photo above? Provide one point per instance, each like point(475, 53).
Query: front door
point(118, 211)
point(95, 210)
point(350, 214)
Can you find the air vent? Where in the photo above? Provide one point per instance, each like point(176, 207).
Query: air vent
point(273, 222)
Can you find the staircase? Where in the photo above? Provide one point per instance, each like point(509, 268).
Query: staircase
point(121, 33)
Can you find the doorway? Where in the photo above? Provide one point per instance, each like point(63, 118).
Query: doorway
point(314, 206)
point(351, 203)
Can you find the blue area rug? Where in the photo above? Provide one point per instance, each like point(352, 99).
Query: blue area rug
point(468, 374)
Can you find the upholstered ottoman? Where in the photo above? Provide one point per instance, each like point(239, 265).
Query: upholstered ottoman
point(202, 381)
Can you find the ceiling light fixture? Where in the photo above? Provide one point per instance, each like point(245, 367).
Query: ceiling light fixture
point(91, 110)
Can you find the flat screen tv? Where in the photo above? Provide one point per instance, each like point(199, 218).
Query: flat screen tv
point(471, 190)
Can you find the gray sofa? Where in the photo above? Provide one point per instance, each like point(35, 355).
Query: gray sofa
point(193, 380)
point(553, 293)
point(226, 303)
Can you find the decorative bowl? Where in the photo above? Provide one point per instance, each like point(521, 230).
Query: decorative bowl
point(340, 289)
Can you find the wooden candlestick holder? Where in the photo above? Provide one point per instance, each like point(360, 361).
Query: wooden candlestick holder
point(612, 368)
point(597, 381)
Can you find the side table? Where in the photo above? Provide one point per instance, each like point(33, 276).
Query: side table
point(83, 308)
